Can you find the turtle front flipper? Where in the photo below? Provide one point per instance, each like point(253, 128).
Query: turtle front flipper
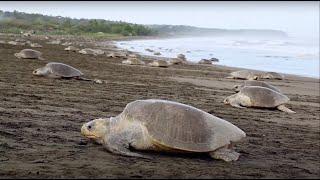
point(285, 109)
point(225, 154)
point(235, 104)
point(118, 144)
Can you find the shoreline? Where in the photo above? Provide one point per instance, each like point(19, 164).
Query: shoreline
point(228, 67)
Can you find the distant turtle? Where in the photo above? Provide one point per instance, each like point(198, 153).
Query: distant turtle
point(134, 56)
point(60, 70)
point(117, 55)
point(181, 56)
point(205, 61)
point(271, 75)
point(237, 88)
point(243, 74)
point(94, 52)
point(159, 63)
point(133, 61)
point(71, 48)
point(177, 61)
point(167, 126)
point(54, 42)
point(16, 43)
point(36, 45)
point(261, 97)
point(214, 59)
point(157, 53)
point(149, 50)
point(29, 54)
point(20, 40)
point(66, 44)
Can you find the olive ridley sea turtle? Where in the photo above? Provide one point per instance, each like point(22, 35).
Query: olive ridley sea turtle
point(243, 74)
point(271, 75)
point(133, 61)
point(256, 96)
point(60, 70)
point(29, 54)
point(161, 125)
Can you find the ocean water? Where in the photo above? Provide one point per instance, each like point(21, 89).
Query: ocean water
point(284, 55)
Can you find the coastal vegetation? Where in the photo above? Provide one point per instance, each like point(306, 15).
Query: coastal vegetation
point(17, 22)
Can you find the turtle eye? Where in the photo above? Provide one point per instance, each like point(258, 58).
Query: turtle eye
point(89, 127)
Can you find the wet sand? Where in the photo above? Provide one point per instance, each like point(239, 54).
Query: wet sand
point(40, 120)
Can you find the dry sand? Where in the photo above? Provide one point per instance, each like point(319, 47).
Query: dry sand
point(40, 120)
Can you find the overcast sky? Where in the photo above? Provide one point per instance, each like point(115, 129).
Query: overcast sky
point(296, 18)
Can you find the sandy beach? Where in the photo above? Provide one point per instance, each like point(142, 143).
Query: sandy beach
point(40, 119)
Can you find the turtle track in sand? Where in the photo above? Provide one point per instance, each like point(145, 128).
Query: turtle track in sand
point(40, 121)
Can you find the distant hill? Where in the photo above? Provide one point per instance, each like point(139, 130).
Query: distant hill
point(15, 22)
point(182, 30)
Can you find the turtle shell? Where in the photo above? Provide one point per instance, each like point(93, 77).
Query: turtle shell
point(243, 74)
point(181, 127)
point(30, 54)
point(63, 70)
point(260, 83)
point(263, 97)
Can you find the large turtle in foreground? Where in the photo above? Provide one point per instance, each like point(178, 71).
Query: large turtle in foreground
point(60, 70)
point(168, 126)
point(29, 54)
point(260, 97)
point(237, 88)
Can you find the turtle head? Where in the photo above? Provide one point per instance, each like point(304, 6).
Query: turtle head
point(96, 129)
point(226, 100)
point(237, 88)
point(229, 99)
point(40, 72)
point(254, 77)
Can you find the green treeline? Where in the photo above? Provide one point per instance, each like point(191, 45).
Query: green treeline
point(15, 22)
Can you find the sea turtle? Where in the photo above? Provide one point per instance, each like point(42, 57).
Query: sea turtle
point(16, 43)
point(54, 42)
point(243, 74)
point(271, 75)
point(71, 48)
point(256, 96)
point(157, 53)
point(159, 63)
point(134, 56)
point(177, 61)
point(29, 54)
point(214, 59)
point(117, 54)
point(168, 126)
point(181, 56)
point(149, 50)
point(205, 61)
point(133, 61)
point(60, 70)
point(237, 88)
point(36, 45)
point(66, 44)
point(94, 52)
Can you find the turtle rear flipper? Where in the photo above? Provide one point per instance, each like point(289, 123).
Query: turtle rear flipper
point(225, 154)
point(285, 109)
